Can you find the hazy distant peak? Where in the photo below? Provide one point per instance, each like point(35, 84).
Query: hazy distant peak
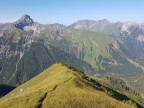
point(93, 21)
point(90, 25)
point(104, 21)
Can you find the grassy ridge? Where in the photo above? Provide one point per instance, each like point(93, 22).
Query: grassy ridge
point(61, 87)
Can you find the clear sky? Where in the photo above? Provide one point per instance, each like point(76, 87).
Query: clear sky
point(69, 11)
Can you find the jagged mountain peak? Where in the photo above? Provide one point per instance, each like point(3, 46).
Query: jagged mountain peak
point(25, 16)
point(25, 20)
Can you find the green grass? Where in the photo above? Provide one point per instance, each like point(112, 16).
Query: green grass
point(89, 44)
point(136, 82)
point(105, 82)
point(60, 87)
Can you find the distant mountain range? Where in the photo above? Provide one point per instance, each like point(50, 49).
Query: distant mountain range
point(95, 47)
point(130, 35)
point(24, 54)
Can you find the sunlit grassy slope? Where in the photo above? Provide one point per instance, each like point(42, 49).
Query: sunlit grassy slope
point(61, 86)
point(105, 82)
point(82, 44)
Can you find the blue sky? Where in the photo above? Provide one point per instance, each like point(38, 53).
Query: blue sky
point(69, 11)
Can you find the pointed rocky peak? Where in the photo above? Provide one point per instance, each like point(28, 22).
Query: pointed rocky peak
point(25, 20)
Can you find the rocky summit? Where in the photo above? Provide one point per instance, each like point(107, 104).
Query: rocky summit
point(25, 20)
